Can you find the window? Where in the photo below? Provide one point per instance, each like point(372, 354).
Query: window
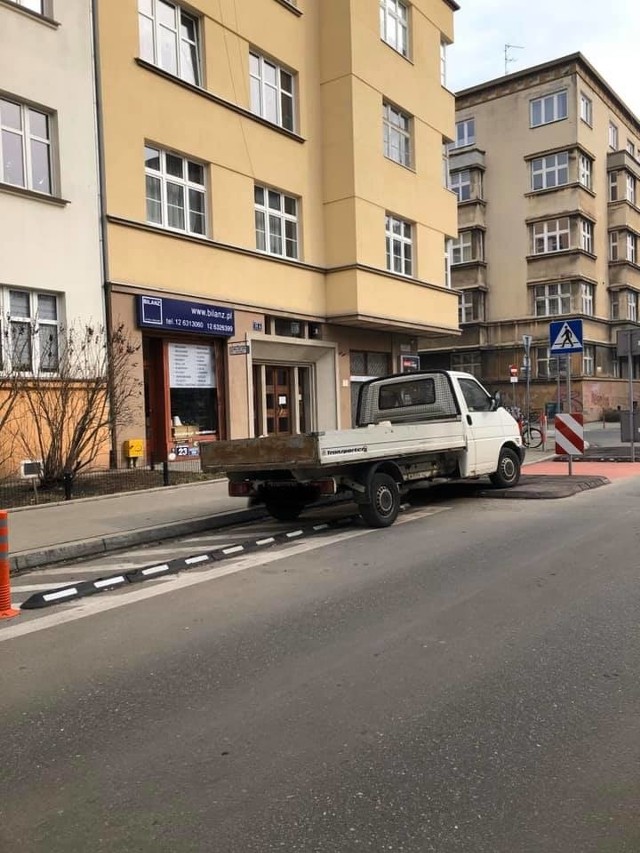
point(632, 306)
point(630, 186)
point(399, 240)
point(549, 108)
point(586, 297)
point(33, 328)
point(552, 299)
point(546, 364)
point(396, 127)
point(475, 396)
point(413, 392)
point(445, 165)
point(394, 25)
point(25, 147)
point(551, 236)
point(465, 133)
point(443, 63)
point(613, 246)
point(461, 248)
point(447, 263)
point(586, 235)
point(34, 5)
point(471, 306)
point(276, 217)
point(175, 191)
point(586, 109)
point(613, 186)
point(467, 362)
point(615, 306)
point(460, 183)
point(584, 171)
point(169, 39)
point(613, 136)
point(272, 94)
point(588, 360)
point(631, 248)
point(550, 171)
point(631, 148)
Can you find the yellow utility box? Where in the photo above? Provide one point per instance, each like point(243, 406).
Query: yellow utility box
point(133, 448)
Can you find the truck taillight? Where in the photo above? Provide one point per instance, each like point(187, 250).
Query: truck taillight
point(243, 489)
point(324, 487)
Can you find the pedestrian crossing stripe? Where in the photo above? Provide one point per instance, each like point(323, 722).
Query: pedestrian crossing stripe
point(566, 339)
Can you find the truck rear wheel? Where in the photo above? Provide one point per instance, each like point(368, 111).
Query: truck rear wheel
point(508, 472)
point(384, 501)
point(283, 510)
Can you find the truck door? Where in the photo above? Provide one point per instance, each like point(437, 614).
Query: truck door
point(484, 427)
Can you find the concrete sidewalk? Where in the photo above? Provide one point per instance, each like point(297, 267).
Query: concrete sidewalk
point(49, 533)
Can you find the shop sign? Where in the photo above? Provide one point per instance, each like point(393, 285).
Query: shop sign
point(191, 366)
point(178, 315)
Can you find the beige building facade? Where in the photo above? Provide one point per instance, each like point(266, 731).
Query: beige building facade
point(545, 167)
point(275, 213)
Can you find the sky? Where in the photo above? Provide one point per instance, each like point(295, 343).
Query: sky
point(605, 31)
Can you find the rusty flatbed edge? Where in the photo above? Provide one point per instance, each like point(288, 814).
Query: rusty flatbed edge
point(270, 452)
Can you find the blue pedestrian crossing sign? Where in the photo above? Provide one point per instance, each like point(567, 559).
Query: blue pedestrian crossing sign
point(565, 337)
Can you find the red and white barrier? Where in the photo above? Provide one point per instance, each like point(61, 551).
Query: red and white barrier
point(570, 434)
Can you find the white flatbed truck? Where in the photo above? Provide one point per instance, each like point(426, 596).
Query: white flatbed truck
point(412, 429)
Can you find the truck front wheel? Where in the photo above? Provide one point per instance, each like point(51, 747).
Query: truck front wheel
point(508, 472)
point(384, 501)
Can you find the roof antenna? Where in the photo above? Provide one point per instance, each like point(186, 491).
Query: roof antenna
point(509, 59)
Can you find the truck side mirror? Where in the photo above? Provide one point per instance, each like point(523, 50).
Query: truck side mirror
point(496, 401)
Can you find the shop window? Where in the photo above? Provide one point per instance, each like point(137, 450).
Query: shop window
point(193, 391)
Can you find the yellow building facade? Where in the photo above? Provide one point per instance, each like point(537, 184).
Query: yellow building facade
point(274, 204)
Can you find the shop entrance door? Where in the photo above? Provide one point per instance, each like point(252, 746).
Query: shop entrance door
point(281, 399)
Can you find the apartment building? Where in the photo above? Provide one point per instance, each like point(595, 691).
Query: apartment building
point(276, 217)
point(545, 166)
point(50, 255)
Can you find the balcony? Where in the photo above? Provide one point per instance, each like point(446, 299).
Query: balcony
point(623, 273)
point(373, 299)
point(623, 214)
point(556, 266)
point(623, 160)
point(545, 204)
point(471, 274)
point(469, 158)
point(472, 215)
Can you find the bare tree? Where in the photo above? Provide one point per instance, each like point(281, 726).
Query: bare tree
point(75, 384)
point(9, 396)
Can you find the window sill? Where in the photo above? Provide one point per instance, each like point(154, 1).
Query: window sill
point(25, 193)
point(402, 165)
point(467, 264)
point(560, 254)
point(547, 123)
point(198, 90)
point(290, 7)
point(468, 201)
point(397, 52)
point(29, 13)
point(572, 185)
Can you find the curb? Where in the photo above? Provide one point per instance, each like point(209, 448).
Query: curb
point(559, 490)
point(25, 560)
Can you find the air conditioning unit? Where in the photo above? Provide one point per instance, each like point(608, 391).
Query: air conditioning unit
point(30, 468)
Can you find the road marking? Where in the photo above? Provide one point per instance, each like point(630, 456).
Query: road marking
point(190, 561)
point(94, 606)
point(109, 582)
point(235, 550)
point(267, 541)
point(63, 593)
point(154, 570)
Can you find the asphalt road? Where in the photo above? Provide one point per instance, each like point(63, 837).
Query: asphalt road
point(467, 680)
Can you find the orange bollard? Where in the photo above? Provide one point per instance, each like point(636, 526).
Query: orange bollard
point(6, 611)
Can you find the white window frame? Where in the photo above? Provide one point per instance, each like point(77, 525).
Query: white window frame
point(265, 91)
point(394, 25)
point(586, 298)
point(446, 180)
point(613, 186)
point(631, 247)
point(465, 133)
point(468, 301)
point(553, 107)
point(613, 136)
point(631, 148)
point(27, 140)
point(467, 362)
point(630, 188)
point(447, 263)
point(584, 170)
point(184, 183)
point(552, 235)
point(397, 127)
point(632, 306)
point(586, 235)
point(551, 300)
point(281, 223)
point(462, 248)
point(443, 62)
point(40, 7)
point(614, 255)
point(547, 365)
point(399, 245)
point(458, 185)
point(614, 303)
point(35, 324)
point(549, 170)
point(586, 109)
point(588, 360)
point(191, 72)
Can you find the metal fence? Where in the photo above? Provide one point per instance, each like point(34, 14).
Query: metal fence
point(16, 491)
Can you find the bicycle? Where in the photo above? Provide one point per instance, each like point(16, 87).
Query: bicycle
point(531, 435)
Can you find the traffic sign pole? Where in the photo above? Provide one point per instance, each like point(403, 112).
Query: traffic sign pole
point(631, 418)
point(570, 457)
